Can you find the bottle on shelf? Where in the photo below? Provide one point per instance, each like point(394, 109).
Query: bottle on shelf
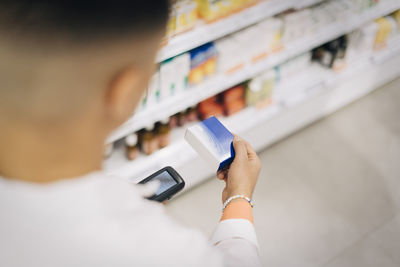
point(131, 145)
point(191, 114)
point(182, 119)
point(253, 91)
point(163, 133)
point(327, 53)
point(149, 142)
point(340, 61)
point(173, 121)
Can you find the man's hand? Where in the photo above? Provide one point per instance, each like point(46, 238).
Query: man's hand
point(242, 175)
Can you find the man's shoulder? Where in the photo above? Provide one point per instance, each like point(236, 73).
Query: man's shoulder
point(98, 218)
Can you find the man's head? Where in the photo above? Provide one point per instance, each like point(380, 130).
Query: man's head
point(70, 72)
point(64, 60)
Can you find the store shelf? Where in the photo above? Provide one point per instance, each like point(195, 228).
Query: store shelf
point(305, 3)
point(205, 33)
point(392, 49)
point(323, 92)
point(221, 82)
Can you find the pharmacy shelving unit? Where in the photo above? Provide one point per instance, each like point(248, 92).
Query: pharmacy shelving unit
point(221, 82)
point(312, 99)
point(305, 3)
point(205, 33)
point(208, 32)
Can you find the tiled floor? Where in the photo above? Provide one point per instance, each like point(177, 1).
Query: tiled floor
point(328, 195)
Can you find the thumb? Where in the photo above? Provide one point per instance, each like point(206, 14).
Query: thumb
point(148, 189)
point(240, 148)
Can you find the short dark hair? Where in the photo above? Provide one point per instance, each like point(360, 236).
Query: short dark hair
point(80, 20)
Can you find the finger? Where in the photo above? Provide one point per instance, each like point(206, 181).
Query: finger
point(150, 188)
point(240, 148)
point(224, 194)
point(251, 153)
point(222, 174)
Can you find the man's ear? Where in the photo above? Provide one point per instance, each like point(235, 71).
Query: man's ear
point(123, 94)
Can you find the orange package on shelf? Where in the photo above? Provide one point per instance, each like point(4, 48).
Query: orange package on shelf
point(233, 107)
point(233, 94)
point(210, 107)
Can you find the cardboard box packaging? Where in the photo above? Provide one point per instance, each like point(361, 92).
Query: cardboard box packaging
point(213, 142)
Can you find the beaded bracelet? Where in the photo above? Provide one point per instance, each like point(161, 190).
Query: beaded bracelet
point(226, 203)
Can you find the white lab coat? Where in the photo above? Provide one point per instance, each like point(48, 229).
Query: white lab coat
point(98, 220)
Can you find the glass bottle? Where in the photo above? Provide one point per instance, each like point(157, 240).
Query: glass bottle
point(132, 148)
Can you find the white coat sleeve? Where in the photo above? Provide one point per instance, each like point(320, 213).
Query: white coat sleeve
point(237, 240)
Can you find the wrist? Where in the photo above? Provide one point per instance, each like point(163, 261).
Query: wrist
point(246, 193)
point(238, 210)
point(237, 197)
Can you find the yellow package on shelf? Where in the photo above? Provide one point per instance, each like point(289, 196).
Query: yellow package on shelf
point(211, 10)
point(384, 29)
point(186, 16)
point(396, 16)
point(183, 16)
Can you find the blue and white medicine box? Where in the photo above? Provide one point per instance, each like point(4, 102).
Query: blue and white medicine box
point(212, 141)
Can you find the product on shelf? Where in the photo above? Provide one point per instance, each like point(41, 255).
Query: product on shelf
point(230, 56)
point(171, 25)
point(252, 44)
point(385, 26)
point(203, 63)
point(233, 100)
point(183, 16)
point(297, 24)
point(182, 119)
point(271, 31)
point(394, 29)
point(174, 75)
point(173, 121)
point(332, 55)
point(294, 65)
point(259, 89)
point(361, 42)
point(210, 107)
point(372, 36)
point(142, 103)
point(232, 94)
point(148, 139)
point(249, 46)
point(153, 95)
point(163, 131)
point(186, 15)
point(108, 149)
point(191, 114)
point(396, 16)
point(307, 22)
point(131, 146)
point(211, 10)
point(340, 61)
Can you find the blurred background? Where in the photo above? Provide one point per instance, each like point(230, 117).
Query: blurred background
point(314, 87)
